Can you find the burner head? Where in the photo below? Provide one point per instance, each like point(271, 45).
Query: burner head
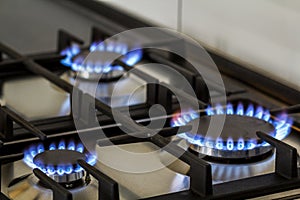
point(237, 140)
point(61, 164)
point(59, 161)
point(95, 63)
point(92, 66)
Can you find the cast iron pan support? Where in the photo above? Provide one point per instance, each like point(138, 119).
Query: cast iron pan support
point(84, 108)
point(6, 125)
point(59, 192)
point(200, 171)
point(5, 160)
point(108, 189)
point(65, 40)
point(196, 81)
point(97, 35)
point(165, 98)
point(286, 156)
point(7, 117)
point(152, 82)
point(288, 110)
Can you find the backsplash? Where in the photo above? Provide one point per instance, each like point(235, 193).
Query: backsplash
point(263, 33)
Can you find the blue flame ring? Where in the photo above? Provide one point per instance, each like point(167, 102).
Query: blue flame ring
point(282, 124)
point(50, 170)
point(130, 57)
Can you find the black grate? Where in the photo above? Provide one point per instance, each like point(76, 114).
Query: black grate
point(5, 160)
point(31, 65)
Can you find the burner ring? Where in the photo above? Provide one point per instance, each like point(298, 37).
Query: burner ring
point(238, 139)
point(212, 154)
point(68, 178)
point(60, 164)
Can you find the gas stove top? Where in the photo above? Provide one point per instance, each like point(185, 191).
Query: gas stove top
point(135, 112)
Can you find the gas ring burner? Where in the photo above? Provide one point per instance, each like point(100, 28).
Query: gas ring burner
point(95, 63)
point(237, 141)
point(87, 66)
point(59, 162)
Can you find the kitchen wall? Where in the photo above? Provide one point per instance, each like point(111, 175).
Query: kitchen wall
point(263, 33)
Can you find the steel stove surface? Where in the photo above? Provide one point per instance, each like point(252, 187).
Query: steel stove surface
point(125, 170)
point(36, 115)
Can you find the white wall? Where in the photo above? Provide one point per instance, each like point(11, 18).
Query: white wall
point(263, 33)
point(161, 12)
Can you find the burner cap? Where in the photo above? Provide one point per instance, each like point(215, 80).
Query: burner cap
point(60, 164)
point(238, 139)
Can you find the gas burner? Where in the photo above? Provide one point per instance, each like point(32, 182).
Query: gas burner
point(59, 162)
point(238, 140)
point(92, 63)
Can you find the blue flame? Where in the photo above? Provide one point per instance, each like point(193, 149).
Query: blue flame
point(51, 170)
point(80, 147)
point(183, 118)
point(71, 146)
point(40, 148)
point(60, 170)
point(267, 116)
point(52, 146)
point(240, 144)
point(259, 112)
point(92, 159)
point(229, 109)
point(250, 110)
point(230, 144)
point(69, 169)
point(70, 52)
point(133, 57)
point(210, 111)
point(240, 109)
point(219, 110)
point(219, 144)
point(282, 124)
point(62, 145)
point(78, 64)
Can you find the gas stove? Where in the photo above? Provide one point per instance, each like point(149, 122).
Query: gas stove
point(135, 112)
